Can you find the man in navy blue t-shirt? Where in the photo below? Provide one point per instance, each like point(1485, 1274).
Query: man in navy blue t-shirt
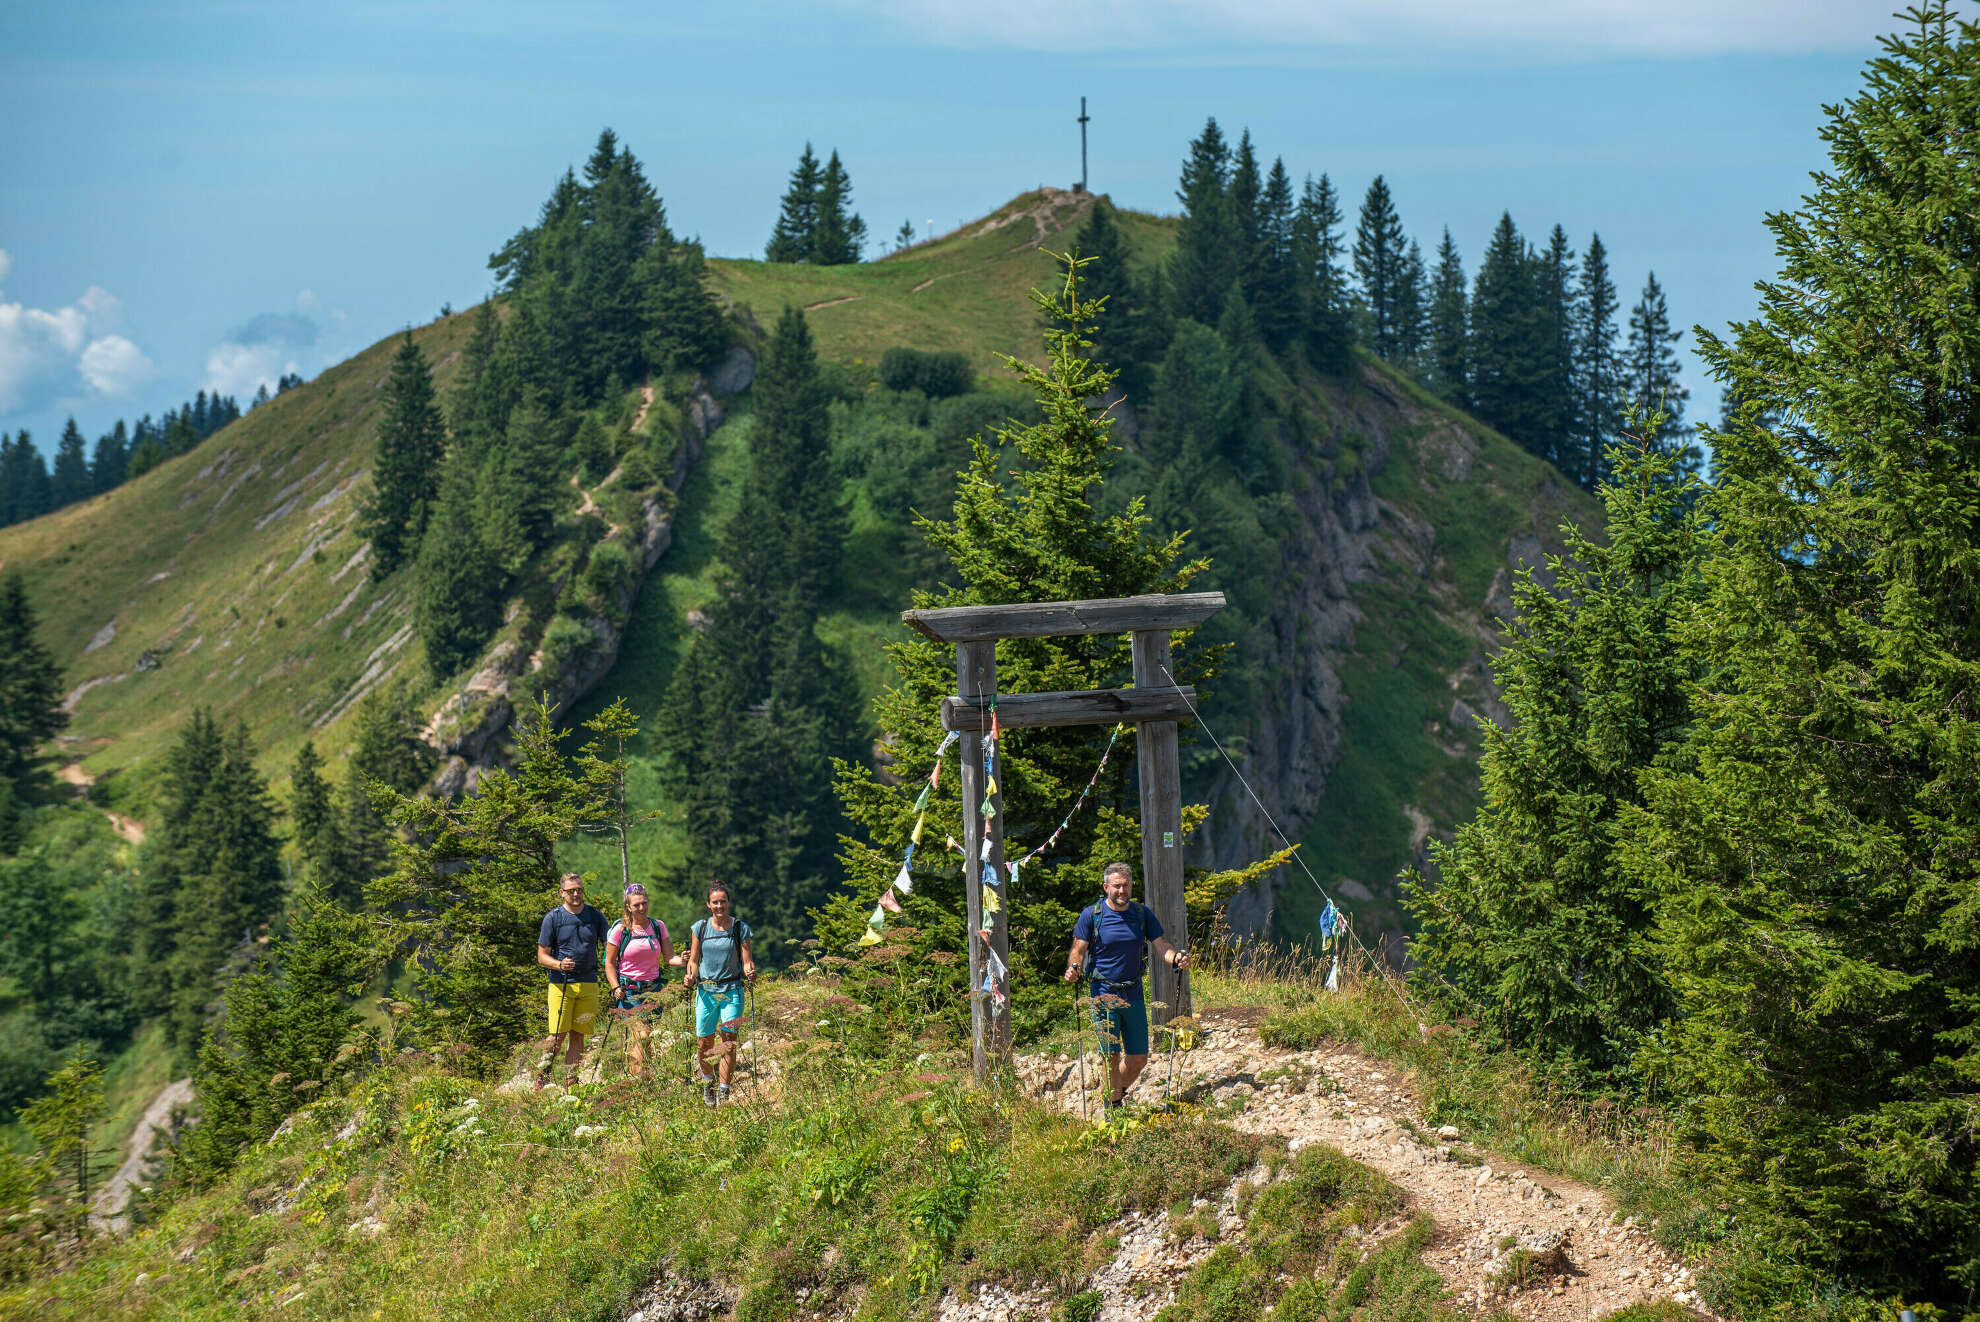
point(1115, 930)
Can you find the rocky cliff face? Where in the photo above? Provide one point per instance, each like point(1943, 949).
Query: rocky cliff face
point(469, 727)
point(1377, 502)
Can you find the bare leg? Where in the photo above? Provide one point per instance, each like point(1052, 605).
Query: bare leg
point(705, 1047)
point(1123, 1070)
point(572, 1056)
point(728, 1057)
point(548, 1060)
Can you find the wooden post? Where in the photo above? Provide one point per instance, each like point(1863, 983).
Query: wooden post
point(1161, 824)
point(976, 681)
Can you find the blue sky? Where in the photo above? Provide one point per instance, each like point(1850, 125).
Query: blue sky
point(208, 194)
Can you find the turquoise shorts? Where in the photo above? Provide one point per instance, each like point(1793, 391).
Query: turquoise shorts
point(1122, 1027)
point(722, 1008)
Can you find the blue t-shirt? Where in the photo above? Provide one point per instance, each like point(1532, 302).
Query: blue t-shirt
point(721, 952)
point(576, 936)
point(1117, 946)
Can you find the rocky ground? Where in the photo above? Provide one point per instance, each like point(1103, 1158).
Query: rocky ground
point(1536, 1247)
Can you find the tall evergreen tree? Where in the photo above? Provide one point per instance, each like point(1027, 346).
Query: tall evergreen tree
point(311, 814)
point(387, 752)
point(1530, 918)
point(839, 236)
point(522, 483)
point(1378, 261)
point(25, 490)
point(109, 459)
point(30, 682)
point(1650, 367)
point(1247, 212)
point(457, 583)
point(1412, 305)
point(1449, 336)
point(1507, 348)
point(797, 219)
point(405, 472)
point(1121, 331)
point(1327, 329)
point(1817, 872)
point(1208, 253)
point(1274, 294)
point(1554, 298)
point(1599, 385)
point(70, 480)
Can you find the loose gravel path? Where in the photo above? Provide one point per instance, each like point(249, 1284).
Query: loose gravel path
point(1592, 1262)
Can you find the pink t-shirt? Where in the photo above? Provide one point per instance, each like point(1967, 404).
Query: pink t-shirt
point(639, 954)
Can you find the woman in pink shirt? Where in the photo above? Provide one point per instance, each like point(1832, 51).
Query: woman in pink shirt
point(637, 952)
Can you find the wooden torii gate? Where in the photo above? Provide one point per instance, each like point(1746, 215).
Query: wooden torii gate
point(1154, 705)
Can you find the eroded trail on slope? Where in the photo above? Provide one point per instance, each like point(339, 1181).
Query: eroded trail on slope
point(1591, 1264)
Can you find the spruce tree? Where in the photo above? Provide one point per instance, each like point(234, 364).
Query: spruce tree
point(457, 582)
point(471, 881)
point(146, 454)
point(1208, 252)
point(1412, 305)
point(30, 682)
point(1599, 386)
point(70, 481)
point(1247, 212)
point(1327, 329)
point(405, 470)
point(1378, 261)
point(109, 459)
point(1507, 344)
point(523, 483)
point(1275, 290)
point(24, 485)
point(1554, 289)
point(387, 752)
point(1449, 336)
point(1816, 872)
point(797, 220)
point(1529, 917)
point(1650, 368)
point(838, 237)
point(1121, 330)
point(311, 814)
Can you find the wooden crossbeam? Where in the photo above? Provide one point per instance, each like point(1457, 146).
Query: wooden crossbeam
point(1054, 619)
point(1020, 711)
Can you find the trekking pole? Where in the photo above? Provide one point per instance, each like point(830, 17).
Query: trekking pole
point(1079, 1043)
point(755, 1060)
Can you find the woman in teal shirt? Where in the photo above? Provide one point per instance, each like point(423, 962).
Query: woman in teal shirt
point(719, 967)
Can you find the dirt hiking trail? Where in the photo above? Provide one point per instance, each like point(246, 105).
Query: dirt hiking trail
point(107, 1208)
point(1590, 1262)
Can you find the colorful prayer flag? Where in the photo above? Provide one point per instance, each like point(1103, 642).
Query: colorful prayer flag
point(903, 882)
point(918, 822)
point(888, 902)
point(990, 901)
point(878, 917)
point(872, 938)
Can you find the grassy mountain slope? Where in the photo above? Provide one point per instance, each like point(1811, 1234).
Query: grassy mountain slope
point(229, 576)
point(233, 576)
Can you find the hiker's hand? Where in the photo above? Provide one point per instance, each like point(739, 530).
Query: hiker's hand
point(1181, 960)
point(566, 964)
point(749, 971)
point(1072, 973)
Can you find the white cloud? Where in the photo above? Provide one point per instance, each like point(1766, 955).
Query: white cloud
point(114, 366)
point(49, 356)
point(1528, 28)
point(307, 301)
point(261, 350)
point(241, 369)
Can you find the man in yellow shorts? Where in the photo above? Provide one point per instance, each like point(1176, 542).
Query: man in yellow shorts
point(567, 945)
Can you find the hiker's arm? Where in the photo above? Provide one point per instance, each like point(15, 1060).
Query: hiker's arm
point(548, 959)
point(1167, 952)
point(667, 952)
point(612, 965)
point(749, 961)
point(1075, 959)
point(693, 959)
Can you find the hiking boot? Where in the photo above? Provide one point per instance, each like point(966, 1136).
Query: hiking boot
point(542, 1082)
point(707, 1090)
point(722, 1094)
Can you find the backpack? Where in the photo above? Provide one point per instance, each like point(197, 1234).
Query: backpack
point(1136, 919)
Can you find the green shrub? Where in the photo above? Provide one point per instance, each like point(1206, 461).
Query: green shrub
point(937, 375)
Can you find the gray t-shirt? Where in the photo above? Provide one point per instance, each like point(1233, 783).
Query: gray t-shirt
point(721, 952)
point(576, 936)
